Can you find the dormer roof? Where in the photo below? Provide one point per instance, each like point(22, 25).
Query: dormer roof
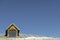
point(12, 25)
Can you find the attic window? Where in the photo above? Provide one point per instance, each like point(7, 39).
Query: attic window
point(12, 33)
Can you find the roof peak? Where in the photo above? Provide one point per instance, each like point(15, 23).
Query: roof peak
point(13, 25)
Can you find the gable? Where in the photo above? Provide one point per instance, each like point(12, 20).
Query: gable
point(12, 26)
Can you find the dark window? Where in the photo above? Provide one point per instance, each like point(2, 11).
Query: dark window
point(12, 33)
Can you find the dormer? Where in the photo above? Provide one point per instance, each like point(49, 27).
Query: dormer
point(12, 31)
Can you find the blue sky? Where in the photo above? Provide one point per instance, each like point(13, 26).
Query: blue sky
point(40, 17)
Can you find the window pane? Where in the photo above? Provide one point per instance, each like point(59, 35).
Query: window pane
point(12, 33)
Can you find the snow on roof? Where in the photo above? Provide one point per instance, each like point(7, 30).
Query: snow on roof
point(27, 37)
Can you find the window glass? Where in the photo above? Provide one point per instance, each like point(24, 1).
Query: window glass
point(12, 33)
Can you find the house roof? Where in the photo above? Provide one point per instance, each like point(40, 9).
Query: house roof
point(29, 36)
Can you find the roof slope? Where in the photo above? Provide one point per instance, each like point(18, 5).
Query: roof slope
point(28, 37)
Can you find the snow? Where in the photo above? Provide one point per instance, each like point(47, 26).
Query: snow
point(28, 37)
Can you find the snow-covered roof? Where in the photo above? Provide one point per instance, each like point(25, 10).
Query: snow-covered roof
point(28, 37)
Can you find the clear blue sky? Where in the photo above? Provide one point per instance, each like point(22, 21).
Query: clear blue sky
point(41, 17)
